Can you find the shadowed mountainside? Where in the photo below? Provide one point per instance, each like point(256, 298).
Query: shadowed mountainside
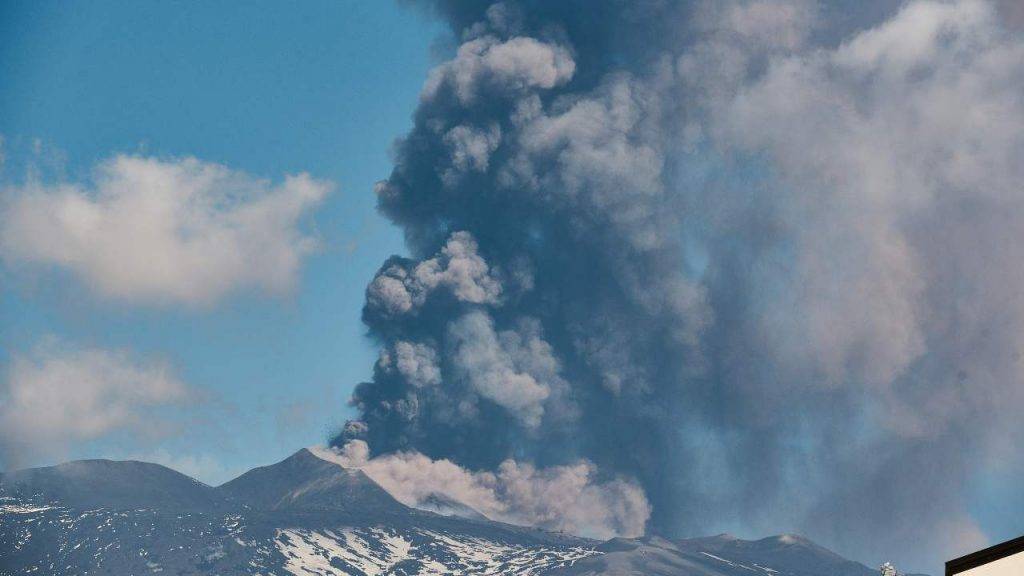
point(305, 515)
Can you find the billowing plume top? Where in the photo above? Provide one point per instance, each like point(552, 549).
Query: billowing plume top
point(755, 257)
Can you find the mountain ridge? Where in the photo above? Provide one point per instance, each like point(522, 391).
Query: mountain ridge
point(307, 515)
point(305, 481)
point(117, 483)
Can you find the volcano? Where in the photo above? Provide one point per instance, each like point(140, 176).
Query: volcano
point(308, 516)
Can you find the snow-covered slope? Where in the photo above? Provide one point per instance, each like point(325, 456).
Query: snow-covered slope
point(114, 484)
point(722, 555)
point(302, 516)
point(415, 551)
point(306, 516)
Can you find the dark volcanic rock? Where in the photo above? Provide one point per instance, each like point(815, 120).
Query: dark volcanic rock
point(305, 482)
point(445, 506)
point(111, 484)
point(787, 553)
point(721, 555)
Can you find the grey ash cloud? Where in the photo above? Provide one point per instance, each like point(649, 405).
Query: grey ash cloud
point(757, 257)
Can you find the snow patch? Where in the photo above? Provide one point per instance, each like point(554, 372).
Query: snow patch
point(20, 509)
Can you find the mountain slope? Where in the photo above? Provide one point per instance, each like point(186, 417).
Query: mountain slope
point(445, 506)
point(304, 482)
point(724, 555)
point(300, 516)
point(111, 484)
point(789, 553)
point(306, 516)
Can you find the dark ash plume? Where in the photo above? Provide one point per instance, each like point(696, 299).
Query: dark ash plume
point(749, 254)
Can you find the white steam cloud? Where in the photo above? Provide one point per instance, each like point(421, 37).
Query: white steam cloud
point(567, 498)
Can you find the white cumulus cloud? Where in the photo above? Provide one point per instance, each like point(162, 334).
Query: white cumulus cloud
point(57, 395)
point(151, 230)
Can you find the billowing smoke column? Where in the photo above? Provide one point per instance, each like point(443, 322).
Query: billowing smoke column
point(757, 258)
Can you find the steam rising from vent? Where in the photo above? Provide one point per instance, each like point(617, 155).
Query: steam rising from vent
point(565, 498)
point(755, 257)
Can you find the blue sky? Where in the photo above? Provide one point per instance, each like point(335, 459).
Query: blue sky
point(268, 89)
point(188, 226)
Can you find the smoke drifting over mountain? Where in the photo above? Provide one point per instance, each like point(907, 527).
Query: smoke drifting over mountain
point(756, 256)
point(562, 498)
